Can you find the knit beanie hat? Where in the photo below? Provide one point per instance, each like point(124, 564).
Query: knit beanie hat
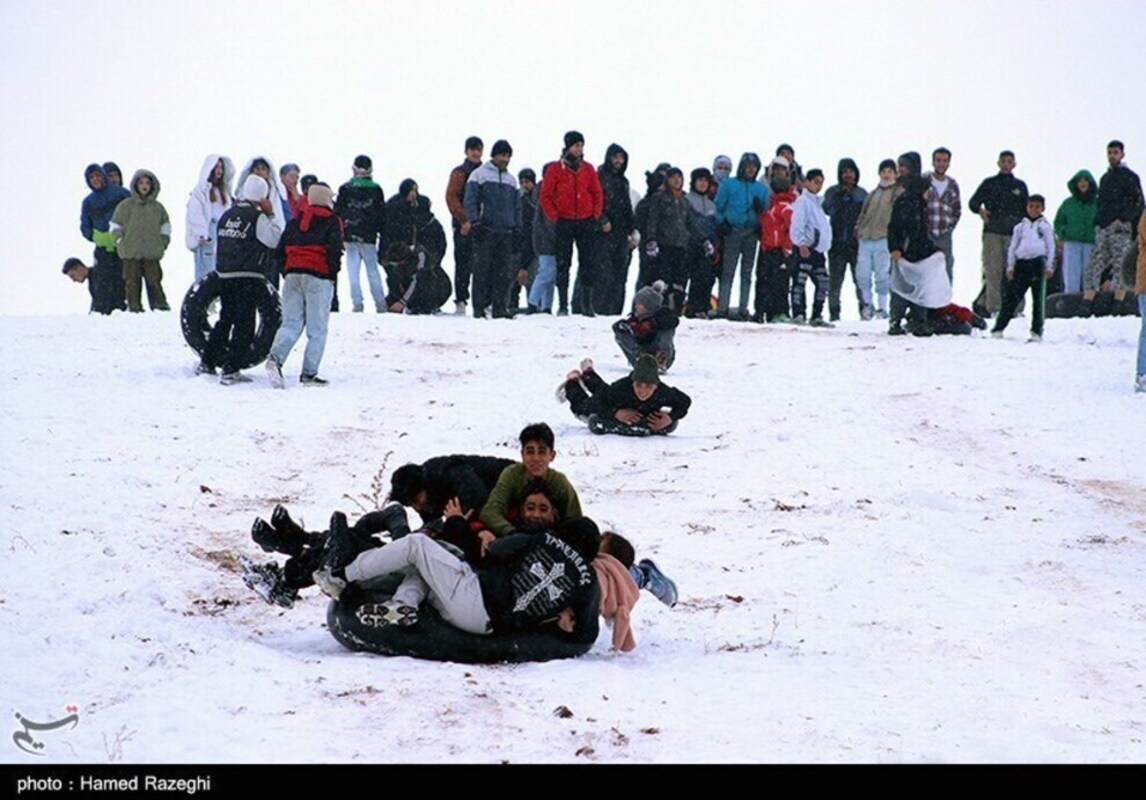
point(319, 194)
point(254, 188)
point(646, 370)
point(501, 146)
point(653, 180)
point(527, 174)
point(650, 297)
point(572, 138)
point(722, 162)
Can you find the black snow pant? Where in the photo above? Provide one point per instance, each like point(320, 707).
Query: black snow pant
point(105, 282)
point(582, 232)
point(839, 258)
point(773, 284)
point(493, 256)
point(235, 329)
point(613, 259)
point(1029, 275)
point(463, 265)
point(702, 276)
point(811, 267)
point(580, 393)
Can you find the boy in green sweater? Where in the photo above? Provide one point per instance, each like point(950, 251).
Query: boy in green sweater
point(537, 454)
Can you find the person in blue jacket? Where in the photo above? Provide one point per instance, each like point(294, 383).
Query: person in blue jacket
point(106, 276)
point(739, 202)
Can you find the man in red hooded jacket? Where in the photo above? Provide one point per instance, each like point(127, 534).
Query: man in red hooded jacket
point(571, 198)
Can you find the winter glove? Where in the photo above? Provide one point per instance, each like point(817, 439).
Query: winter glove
point(709, 250)
point(651, 250)
point(104, 239)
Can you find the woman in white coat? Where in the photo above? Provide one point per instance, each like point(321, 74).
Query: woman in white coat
point(209, 199)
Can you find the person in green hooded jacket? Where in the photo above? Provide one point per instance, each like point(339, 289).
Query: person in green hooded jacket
point(142, 232)
point(1074, 228)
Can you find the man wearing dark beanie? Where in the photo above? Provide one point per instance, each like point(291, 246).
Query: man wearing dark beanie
point(493, 207)
point(572, 200)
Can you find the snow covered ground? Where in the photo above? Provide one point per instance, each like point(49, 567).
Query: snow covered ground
point(889, 550)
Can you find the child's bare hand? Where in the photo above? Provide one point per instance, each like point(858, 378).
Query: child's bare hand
point(454, 509)
point(658, 421)
point(628, 416)
point(487, 538)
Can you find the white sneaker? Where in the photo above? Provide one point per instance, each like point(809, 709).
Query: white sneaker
point(1035, 337)
point(231, 378)
point(996, 334)
point(460, 308)
point(275, 373)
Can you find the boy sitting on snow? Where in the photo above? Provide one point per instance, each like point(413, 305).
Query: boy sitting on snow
point(636, 405)
point(650, 328)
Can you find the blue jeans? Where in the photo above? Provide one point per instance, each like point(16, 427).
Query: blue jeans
point(357, 254)
point(205, 251)
point(874, 260)
point(1075, 259)
point(1142, 336)
point(541, 292)
point(306, 303)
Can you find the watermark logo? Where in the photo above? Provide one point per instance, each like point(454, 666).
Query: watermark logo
point(28, 742)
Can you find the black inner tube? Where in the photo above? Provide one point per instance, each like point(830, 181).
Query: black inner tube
point(195, 318)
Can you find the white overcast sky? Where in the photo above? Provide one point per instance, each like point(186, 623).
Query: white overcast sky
point(160, 85)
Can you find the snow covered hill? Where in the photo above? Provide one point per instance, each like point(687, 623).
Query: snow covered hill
point(888, 549)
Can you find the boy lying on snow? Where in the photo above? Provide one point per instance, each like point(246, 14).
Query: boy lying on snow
point(636, 405)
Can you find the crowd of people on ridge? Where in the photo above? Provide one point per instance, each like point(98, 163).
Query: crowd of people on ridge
point(514, 235)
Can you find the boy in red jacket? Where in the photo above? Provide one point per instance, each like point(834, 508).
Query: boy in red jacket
point(773, 275)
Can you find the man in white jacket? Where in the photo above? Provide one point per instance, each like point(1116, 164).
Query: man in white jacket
point(1030, 261)
point(812, 237)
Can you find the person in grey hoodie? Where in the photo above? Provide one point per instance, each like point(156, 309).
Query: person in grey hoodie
point(812, 237)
